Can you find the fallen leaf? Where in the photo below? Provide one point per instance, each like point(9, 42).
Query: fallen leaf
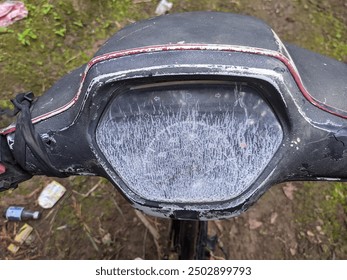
point(273, 218)
point(319, 240)
point(254, 223)
point(289, 190)
point(62, 227)
point(107, 239)
point(293, 251)
point(293, 248)
point(310, 233)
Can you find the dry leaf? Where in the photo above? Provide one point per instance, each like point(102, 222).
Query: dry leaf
point(289, 190)
point(273, 218)
point(293, 248)
point(107, 239)
point(320, 230)
point(293, 251)
point(310, 233)
point(254, 223)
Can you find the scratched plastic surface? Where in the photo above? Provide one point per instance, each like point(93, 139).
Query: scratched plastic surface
point(192, 144)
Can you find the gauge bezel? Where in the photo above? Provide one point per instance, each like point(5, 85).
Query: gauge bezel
point(194, 210)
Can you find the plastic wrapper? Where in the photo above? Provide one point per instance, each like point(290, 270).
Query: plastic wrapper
point(51, 194)
point(12, 11)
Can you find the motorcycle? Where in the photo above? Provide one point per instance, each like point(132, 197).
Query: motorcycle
point(190, 116)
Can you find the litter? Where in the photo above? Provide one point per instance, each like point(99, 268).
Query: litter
point(12, 11)
point(17, 213)
point(23, 234)
point(51, 194)
point(163, 7)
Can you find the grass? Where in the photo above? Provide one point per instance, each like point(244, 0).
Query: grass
point(321, 208)
point(332, 37)
point(47, 44)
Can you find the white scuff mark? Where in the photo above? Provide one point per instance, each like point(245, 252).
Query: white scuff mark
point(328, 179)
point(77, 172)
point(10, 140)
point(134, 32)
point(281, 47)
point(283, 50)
point(321, 126)
point(228, 70)
point(294, 144)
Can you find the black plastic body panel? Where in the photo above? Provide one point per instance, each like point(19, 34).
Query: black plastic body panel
point(61, 95)
point(193, 28)
point(324, 78)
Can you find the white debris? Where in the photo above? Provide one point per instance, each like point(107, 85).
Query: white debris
point(163, 7)
point(51, 194)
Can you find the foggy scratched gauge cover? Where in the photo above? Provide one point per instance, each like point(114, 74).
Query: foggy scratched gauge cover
point(192, 143)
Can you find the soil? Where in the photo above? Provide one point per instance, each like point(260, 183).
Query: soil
point(93, 221)
point(103, 225)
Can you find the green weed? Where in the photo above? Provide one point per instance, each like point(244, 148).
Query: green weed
point(26, 36)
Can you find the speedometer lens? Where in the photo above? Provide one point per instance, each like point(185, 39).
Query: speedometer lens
point(192, 143)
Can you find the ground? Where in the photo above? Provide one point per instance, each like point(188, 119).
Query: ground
point(93, 221)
